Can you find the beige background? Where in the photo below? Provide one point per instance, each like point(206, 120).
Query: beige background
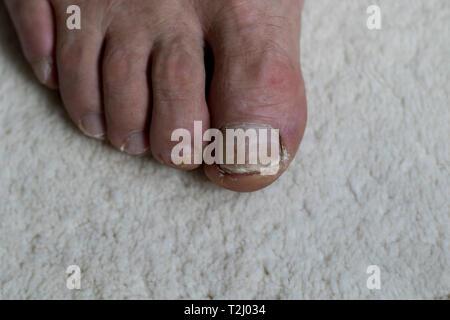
point(370, 183)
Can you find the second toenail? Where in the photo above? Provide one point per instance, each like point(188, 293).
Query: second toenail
point(93, 125)
point(136, 144)
point(42, 69)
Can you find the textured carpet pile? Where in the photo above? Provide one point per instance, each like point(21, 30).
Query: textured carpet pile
point(369, 186)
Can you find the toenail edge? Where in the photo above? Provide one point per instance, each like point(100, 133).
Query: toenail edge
point(130, 146)
point(42, 69)
point(95, 123)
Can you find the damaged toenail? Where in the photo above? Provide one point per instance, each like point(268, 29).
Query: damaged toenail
point(136, 144)
point(42, 69)
point(256, 149)
point(93, 125)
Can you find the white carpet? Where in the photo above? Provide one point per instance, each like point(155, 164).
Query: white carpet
point(370, 184)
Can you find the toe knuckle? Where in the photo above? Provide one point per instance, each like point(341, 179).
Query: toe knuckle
point(116, 63)
point(121, 64)
point(177, 73)
point(175, 70)
point(277, 74)
point(241, 13)
point(69, 59)
point(273, 80)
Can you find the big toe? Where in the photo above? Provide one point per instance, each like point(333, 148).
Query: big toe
point(260, 87)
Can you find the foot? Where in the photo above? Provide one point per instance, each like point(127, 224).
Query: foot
point(135, 72)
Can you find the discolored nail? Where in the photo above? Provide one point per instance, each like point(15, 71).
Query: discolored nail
point(136, 144)
point(247, 147)
point(93, 125)
point(43, 69)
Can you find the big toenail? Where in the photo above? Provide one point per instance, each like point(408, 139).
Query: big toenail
point(256, 149)
point(93, 125)
point(136, 144)
point(42, 69)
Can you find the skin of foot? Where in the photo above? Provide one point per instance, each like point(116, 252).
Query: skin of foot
point(135, 71)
